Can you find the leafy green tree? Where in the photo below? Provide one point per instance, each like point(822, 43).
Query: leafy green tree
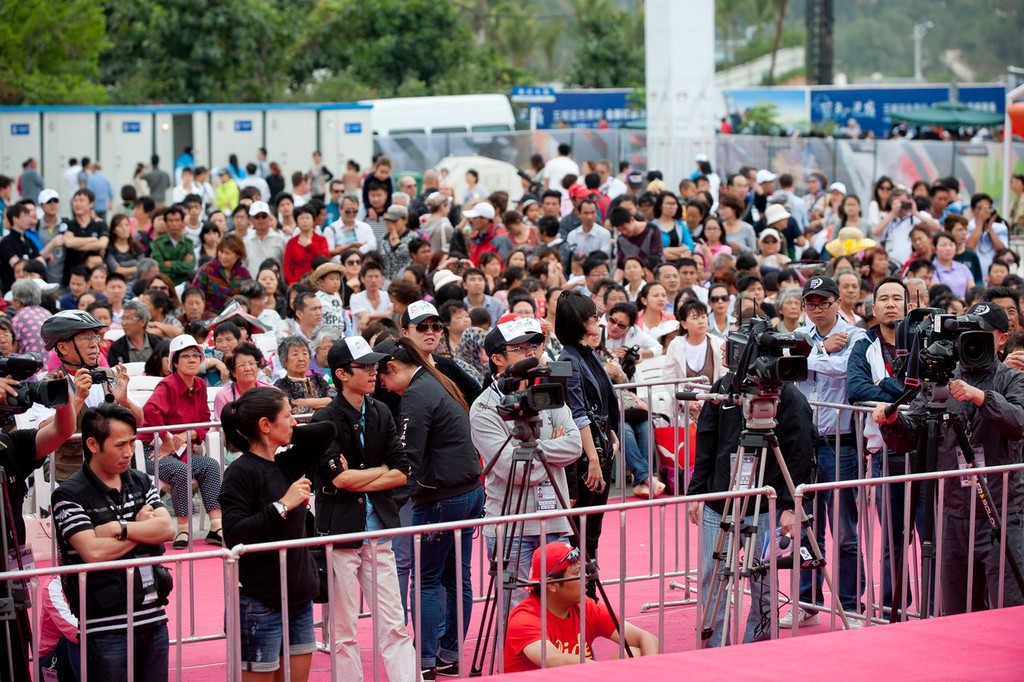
point(50, 52)
point(610, 47)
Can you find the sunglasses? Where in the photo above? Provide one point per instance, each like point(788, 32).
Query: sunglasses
point(353, 261)
point(350, 211)
point(618, 325)
point(719, 299)
point(424, 327)
point(571, 558)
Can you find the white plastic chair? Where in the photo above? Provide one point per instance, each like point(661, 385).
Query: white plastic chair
point(143, 383)
point(135, 369)
point(651, 369)
point(113, 335)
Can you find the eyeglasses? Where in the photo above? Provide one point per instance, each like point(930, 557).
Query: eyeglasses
point(818, 306)
point(190, 356)
point(368, 368)
point(424, 327)
point(525, 348)
point(350, 211)
point(617, 324)
point(571, 558)
point(89, 338)
point(719, 299)
point(353, 261)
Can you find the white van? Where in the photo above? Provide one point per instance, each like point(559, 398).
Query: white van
point(442, 114)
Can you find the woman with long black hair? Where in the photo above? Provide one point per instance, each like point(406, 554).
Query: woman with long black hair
point(590, 395)
point(444, 485)
point(264, 499)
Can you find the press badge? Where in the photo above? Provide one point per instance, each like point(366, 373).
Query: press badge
point(546, 498)
point(746, 470)
point(28, 560)
point(961, 462)
point(148, 585)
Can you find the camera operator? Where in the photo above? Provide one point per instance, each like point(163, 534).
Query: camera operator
point(827, 364)
point(21, 452)
point(104, 512)
point(989, 400)
point(364, 463)
point(1012, 354)
point(75, 336)
point(872, 379)
point(718, 437)
point(559, 442)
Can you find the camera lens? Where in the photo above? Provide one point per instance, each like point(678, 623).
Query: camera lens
point(977, 349)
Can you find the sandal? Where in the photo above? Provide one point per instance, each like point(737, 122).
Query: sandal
point(214, 538)
point(180, 544)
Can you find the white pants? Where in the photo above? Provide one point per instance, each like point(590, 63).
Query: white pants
point(396, 646)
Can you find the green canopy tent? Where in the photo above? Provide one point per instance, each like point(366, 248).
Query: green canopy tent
point(949, 114)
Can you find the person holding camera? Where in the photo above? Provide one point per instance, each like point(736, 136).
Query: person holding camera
point(74, 335)
point(719, 427)
point(363, 464)
point(265, 499)
point(559, 443)
point(989, 400)
point(590, 396)
point(21, 452)
point(827, 365)
point(893, 230)
point(104, 512)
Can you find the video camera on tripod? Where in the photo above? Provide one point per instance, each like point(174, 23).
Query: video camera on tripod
point(49, 392)
point(545, 392)
point(930, 344)
point(764, 359)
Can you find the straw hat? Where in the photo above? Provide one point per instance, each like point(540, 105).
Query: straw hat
point(849, 241)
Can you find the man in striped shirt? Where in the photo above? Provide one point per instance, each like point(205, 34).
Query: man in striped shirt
point(104, 512)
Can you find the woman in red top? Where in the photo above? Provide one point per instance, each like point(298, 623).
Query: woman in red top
point(305, 246)
point(180, 398)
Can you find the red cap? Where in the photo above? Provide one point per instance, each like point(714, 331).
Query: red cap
point(557, 555)
point(577, 191)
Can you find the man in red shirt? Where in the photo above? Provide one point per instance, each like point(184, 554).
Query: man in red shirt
point(524, 640)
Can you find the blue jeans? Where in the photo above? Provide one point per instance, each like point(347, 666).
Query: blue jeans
point(520, 556)
point(107, 655)
point(811, 580)
point(637, 437)
point(759, 588)
point(441, 639)
point(896, 496)
point(404, 559)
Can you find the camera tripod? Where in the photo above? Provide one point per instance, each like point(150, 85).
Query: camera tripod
point(757, 442)
point(495, 614)
point(928, 439)
point(15, 596)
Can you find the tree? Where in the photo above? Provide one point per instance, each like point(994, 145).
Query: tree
point(608, 51)
point(50, 52)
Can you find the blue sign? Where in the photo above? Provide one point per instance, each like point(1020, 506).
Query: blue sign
point(131, 126)
point(244, 126)
point(19, 128)
point(355, 128)
point(527, 93)
point(585, 109)
point(872, 107)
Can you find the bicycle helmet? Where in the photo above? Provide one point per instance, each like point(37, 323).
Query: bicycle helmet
point(65, 324)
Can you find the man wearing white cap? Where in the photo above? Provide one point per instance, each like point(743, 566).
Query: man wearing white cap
point(559, 443)
point(764, 187)
point(486, 236)
point(263, 242)
point(49, 234)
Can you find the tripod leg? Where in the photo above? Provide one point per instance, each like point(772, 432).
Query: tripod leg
point(927, 442)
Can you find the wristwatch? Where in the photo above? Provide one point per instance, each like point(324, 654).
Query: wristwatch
point(281, 509)
point(124, 530)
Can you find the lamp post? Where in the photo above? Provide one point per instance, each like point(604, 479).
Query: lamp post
point(920, 31)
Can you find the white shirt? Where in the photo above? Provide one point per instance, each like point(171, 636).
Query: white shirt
point(71, 177)
point(260, 184)
point(360, 303)
point(985, 251)
point(258, 250)
point(634, 337)
point(556, 169)
point(613, 187)
point(336, 234)
point(598, 239)
point(897, 237)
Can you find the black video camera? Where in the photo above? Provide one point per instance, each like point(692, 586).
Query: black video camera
point(50, 392)
point(931, 344)
point(629, 360)
point(545, 391)
point(764, 359)
point(533, 187)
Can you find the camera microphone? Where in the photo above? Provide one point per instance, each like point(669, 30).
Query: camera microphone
point(522, 368)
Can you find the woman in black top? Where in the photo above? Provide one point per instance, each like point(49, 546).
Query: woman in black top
point(590, 395)
point(264, 498)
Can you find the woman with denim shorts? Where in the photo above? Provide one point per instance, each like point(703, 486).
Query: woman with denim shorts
point(265, 498)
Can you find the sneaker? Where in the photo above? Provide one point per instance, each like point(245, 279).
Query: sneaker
point(642, 490)
point(806, 618)
point(855, 623)
point(659, 487)
point(428, 674)
point(447, 669)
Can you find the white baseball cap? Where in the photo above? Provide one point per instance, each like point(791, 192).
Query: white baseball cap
point(481, 210)
point(257, 208)
point(48, 195)
point(837, 187)
point(764, 175)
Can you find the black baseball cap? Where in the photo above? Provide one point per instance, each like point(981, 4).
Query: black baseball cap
point(991, 316)
point(820, 286)
point(352, 349)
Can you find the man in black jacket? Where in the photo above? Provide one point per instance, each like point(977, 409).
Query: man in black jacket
point(990, 402)
point(718, 436)
point(360, 469)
